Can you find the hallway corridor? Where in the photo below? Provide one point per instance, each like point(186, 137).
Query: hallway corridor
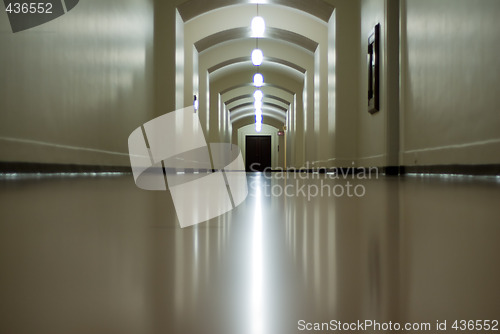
point(249, 166)
point(101, 256)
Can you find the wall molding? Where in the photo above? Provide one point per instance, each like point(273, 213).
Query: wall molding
point(60, 146)
point(30, 150)
point(476, 170)
point(484, 152)
point(493, 169)
point(48, 168)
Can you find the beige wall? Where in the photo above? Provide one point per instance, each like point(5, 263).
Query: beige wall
point(449, 89)
point(347, 82)
point(378, 134)
point(450, 82)
point(73, 89)
point(372, 128)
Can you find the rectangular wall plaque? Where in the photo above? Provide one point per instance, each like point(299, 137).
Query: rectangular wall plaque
point(373, 62)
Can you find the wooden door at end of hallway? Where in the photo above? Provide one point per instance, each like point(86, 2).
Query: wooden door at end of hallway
point(258, 153)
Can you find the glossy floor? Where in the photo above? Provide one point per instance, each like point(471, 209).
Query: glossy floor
point(97, 255)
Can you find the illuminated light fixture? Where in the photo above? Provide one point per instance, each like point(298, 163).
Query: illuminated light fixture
point(258, 95)
point(258, 112)
point(258, 27)
point(257, 57)
point(257, 104)
point(258, 80)
point(195, 103)
point(258, 127)
point(258, 118)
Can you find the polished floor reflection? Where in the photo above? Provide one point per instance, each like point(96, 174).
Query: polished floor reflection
point(95, 254)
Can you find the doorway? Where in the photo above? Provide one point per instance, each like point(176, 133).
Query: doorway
point(258, 153)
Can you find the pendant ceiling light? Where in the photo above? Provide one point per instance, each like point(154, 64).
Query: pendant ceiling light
point(258, 80)
point(257, 57)
point(258, 127)
point(257, 104)
point(258, 27)
point(258, 95)
point(195, 103)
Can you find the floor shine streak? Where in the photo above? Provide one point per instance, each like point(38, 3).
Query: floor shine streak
point(97, 255)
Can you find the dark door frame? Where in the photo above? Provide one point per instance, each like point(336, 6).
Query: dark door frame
point(266, 160)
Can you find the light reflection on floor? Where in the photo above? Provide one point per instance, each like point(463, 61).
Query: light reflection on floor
point(98, 255)
point(256, 280)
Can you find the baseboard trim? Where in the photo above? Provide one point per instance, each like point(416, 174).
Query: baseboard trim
point(479, 170)
point(46, 168)
point(476, 170)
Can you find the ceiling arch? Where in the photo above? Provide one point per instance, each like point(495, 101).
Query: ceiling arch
point(245, 32)
point(247, 96)
point(247, 60)
point(250, 121)
point(232, 22)
point(266, 112)
point(245, 106)
point(229, 58)
point(317, 8)
point(228, 89)
point(266, 67)
point(221, 52)
point(250, 101)
point(232, 98)
point(265, 105)
point(275, 51)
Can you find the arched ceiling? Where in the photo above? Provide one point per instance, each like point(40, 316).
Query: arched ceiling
point(276, 102)
point(252, 88)
point(271, 93)
point(266, 104)
point(317, 8)
point(224, 51)
point(248, 98)
point(249, 112)
point(243, 105)
point(235, 56)
point(270, 63)
point(250, 121)
point(245, 32)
